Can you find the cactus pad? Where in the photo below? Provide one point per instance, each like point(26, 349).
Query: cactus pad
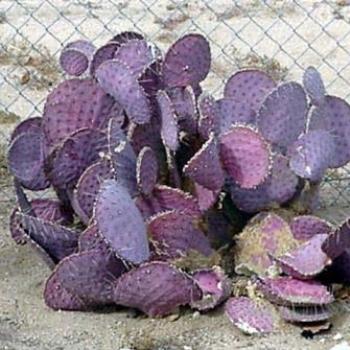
point(90, 275)
point(117, 80)
point(147, 170)
point(205, 167)
point(282, 115)
point(210, 115)
point(314, 86)
point(187, 62)
point(120, 222)
point(278, 188)
point(246, 156)
point(165, 198)
point(233, 112)
point(250, 316)
point(338, 241)
point(169, 130)
point(57, 240)
point(306, 261)
point(334, 116)
point(156, 288)
point(293, 292)
point(215, 287)
point(266, 235)
point(311, 154)
point(174, 234)
point(305, 227)
point(76, 57)
point(88, 186)
point(26, 156)
point(250, 86)
point(305, 314)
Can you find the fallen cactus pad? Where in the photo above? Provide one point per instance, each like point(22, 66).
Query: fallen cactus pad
point(267, 235)
point(290, 291)
point(156, 288)
point(215, 287)
point(306, 261)
point(120, 222)
point(250, 316)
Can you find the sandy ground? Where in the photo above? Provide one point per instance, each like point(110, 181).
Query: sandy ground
point(276, 35)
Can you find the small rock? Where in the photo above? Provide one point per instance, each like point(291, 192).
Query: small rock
point(341, 346)
point(196, 314)
point(338, 336)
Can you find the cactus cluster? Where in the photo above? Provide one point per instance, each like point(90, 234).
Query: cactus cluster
point(164, 193)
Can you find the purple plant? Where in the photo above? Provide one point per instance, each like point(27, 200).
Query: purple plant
point(159, 175)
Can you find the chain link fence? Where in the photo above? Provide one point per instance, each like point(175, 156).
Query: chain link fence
point(282, 37)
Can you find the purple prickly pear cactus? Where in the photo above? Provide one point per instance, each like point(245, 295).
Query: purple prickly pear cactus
point(156, 183)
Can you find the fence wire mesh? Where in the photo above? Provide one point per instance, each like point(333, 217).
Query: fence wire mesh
point(282, 37)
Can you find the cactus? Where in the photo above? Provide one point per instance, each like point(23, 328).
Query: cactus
point(160, 174)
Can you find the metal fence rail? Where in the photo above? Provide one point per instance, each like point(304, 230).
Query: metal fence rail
point(283, 37)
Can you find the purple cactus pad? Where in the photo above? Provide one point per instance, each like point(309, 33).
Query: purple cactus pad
point(166, 198)
point(90, 239)
point(30, 125)
point(120, 223)
point(293, 292)
point(26, 156)
point(67, 163)
point(250, 316)
point(87, 188)
point(210, 115)
point(314, 86)
point(57, 240)
point(246, 156)
point(76, 57)
point(137, 55)
point(90, 275)
point(169, 130)
point(117, 80)
point(187, 62)
point(205, 198)
point(233, 112)
point(58, 298)
point(338, 241)
point(147, 170)
point(215, 287)
point(334, 116)
point(73, 105)
point(306, 261)
point(282, 115)
point(205, 167)
point(311, 154)
point(305, 227)
point(156, 288)
point(250, 86)
point(102, 54)
point(184, 103)
point(174, 234)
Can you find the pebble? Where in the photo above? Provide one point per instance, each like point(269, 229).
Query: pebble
point(338, 336)
point(341, 346)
